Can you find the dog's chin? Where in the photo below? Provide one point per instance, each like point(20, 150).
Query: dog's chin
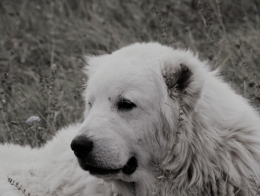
point(104, 172)
point(125, 187)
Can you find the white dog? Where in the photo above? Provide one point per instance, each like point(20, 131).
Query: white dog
point(157, 122)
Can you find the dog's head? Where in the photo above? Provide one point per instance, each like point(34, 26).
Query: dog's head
point(134, 98)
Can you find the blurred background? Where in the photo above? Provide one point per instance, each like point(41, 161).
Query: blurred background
point(43, 43)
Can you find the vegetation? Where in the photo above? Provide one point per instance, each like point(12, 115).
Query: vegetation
point(43, 43)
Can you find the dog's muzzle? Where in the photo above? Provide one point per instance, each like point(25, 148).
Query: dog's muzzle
point(83, 146)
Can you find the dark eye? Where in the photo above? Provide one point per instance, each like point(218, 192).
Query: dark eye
point(125, 105)
point(90, 105)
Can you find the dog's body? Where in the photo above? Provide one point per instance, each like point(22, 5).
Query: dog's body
point(157, 122)
point(51, 170)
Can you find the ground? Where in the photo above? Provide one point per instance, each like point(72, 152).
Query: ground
point(42, 46)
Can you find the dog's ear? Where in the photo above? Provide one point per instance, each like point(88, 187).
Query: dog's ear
point(90, 65)
point(183, 83)
point(93, 62)
point(179, 79)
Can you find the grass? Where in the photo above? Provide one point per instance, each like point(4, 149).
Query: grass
point(42, 45)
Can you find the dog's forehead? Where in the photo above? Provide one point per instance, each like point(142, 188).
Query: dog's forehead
point(125, 74)
point(137, 67)
point(121, 77)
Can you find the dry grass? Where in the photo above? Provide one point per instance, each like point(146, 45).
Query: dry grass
point(42, 47)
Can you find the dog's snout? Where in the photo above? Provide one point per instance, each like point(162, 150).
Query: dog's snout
point(82, 146)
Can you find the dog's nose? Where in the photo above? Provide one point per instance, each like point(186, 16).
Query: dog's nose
point(81, 145)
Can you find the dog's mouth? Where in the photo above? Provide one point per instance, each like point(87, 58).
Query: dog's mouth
point(128, 169)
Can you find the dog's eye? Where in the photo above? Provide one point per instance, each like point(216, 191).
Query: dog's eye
point(90, 105)
point(125, 105)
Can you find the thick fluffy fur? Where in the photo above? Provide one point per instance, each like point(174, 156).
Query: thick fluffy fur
point(51, 170)
point(190, 132)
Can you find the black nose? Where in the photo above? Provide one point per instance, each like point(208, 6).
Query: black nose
point(82, 146)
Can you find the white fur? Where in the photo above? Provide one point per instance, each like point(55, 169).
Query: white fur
point(216, 153)
point(51, 170)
